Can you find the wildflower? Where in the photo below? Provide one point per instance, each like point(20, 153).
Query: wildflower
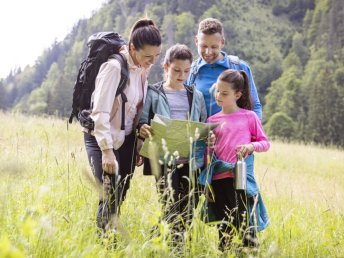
point(197, 134)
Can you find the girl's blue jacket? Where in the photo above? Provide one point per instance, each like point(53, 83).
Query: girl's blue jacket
point(156, 103)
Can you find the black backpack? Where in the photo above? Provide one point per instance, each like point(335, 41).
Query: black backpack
point(102, 46)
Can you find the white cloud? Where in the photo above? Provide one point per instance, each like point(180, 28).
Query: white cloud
point(29, 27)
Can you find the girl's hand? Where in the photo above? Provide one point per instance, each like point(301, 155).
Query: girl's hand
point(109, 162)
point(145, 131)
point(245, 150)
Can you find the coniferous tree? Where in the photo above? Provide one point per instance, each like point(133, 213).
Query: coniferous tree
point(325, 109)
point(185, 28)
point(267, 72)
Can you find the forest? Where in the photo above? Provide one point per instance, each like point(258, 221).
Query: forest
point(294, 47)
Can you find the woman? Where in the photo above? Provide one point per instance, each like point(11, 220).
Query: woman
point(110, 149)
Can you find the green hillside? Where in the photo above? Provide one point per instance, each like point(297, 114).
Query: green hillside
point(295, 49)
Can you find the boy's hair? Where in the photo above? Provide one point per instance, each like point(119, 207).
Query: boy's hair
point(178, 51)
point(210, 26)
point(144, 32)
point(239, 83)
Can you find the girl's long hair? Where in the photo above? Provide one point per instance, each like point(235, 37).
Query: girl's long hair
point(240, 83)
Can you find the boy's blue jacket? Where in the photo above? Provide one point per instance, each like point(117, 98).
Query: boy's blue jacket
point(156, 103)
point(252, 189)
point(204, 75)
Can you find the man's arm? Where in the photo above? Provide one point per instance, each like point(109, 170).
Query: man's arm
point(257, 107)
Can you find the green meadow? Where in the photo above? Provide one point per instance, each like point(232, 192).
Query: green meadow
point(48, 200)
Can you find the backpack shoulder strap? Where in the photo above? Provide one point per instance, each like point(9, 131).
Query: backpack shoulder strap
point(234, 59)
point(235, 62)
point(124, 71)
point(122, 83)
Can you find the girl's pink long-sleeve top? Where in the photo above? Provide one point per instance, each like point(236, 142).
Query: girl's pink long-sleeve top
point(241, 127)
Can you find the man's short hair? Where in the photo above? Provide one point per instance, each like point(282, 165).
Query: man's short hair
point(210, 26)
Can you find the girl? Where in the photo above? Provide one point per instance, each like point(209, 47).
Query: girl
point(173, 99)
point(239, 133)
point(110, 149)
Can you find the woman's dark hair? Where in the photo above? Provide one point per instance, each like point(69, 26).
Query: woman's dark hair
point(239, 82)
point(178, 51)
point(144, 32)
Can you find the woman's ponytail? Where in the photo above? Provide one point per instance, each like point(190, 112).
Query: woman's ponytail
point(144, 32)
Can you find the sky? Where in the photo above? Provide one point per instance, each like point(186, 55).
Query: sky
point(27, 27)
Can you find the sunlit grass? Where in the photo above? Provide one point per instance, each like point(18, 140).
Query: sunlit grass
point(48, 200)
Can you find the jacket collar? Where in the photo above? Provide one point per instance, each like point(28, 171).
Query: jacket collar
point(158, 87)
point(222, 62)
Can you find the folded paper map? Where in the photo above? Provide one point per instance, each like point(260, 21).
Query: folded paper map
point(175, 135)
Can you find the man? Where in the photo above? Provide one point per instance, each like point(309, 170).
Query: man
point(206, 69)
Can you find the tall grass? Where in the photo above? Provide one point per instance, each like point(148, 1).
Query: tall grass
point(48, 200)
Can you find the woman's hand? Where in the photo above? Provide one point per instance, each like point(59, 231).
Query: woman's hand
point(145, 131)
point(245, 150)
point(109, 162)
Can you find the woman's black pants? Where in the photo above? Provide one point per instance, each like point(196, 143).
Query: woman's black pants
point(112, 188)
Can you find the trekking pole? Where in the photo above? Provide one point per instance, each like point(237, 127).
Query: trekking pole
point(115, 188)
